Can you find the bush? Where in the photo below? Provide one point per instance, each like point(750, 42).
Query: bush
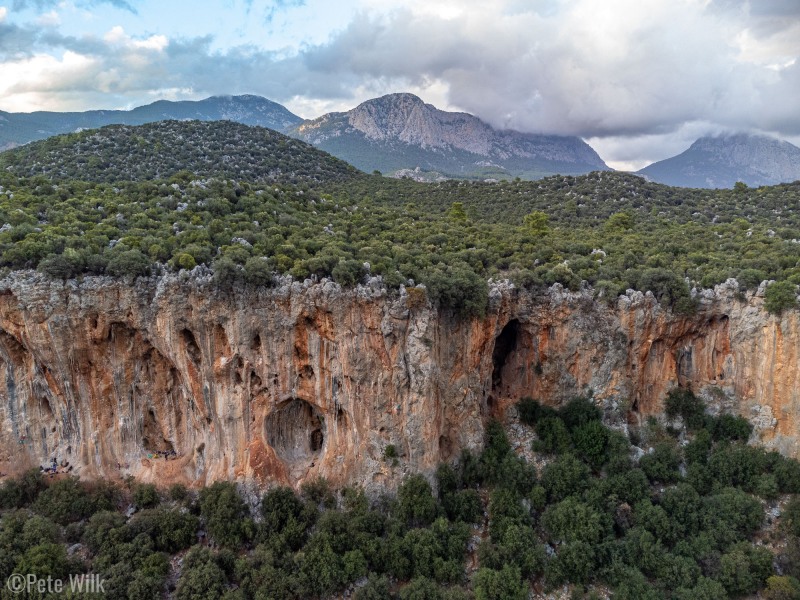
point(591, 443)
point(782, 588)
point(128, 263)
point(662, 463)
point(66, 501)
point(458, 287)
point(376, 588)
point(791, 517)
point(780, 296)
point(564, 477)
point(730, 428)
point(226, 515)
point(745, 569)
point(258, 272)
point(21, 492)
point(579, 411)
point(571, 520)
point(553, 436)
point(145, 495)
point(285, 519)
point(505, 584)
point(415, 502)
point(530, 411)
point(683, 403)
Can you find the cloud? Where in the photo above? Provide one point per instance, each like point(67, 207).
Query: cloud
point(629, 69)
point(42, 5)
point(278, 6)
point(639, 78)
point(3, 13)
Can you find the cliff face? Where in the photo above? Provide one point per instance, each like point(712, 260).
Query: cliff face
point(308, 380)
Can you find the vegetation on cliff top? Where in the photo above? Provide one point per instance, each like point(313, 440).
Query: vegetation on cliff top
point(684, 521)
point(320, 218)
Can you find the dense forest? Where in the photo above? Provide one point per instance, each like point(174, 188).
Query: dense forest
point(612, 231)
point(702, 515)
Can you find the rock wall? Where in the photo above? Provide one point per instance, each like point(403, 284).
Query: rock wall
point(309, 379)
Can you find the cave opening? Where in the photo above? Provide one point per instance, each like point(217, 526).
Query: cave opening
point(295, 429)
point(192, 349)
point(504, 346)
point(316, 440)
point(153, 439)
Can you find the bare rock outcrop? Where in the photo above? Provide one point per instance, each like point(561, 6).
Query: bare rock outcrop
point(170, 380)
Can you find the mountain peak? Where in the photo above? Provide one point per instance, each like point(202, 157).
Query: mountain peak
point(397, 132)
point(719, 161)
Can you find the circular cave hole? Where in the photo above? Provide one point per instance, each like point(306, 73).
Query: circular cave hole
point(296, 431)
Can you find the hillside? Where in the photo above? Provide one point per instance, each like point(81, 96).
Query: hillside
point(400, 131)
point(21, 128)
point(276, 318)
point(719, 162)
point(160, 150)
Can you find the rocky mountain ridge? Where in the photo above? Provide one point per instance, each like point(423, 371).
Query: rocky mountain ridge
point(721, 161)
point(309, 379)
point(400, 131)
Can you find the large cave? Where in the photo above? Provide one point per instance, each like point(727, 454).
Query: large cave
point(296, 431)
point(504, 346)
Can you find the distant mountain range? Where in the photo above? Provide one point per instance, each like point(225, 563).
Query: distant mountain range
point(21, 128)
point(396, 134)
point(400, 135)
point(721, 161)
point(399, 132)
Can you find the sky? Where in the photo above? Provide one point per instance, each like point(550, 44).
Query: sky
point(639, 80)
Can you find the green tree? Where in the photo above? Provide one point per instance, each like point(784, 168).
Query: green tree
point(505, 584)
point(415, 502)
point(780, 296)
point(226, 515)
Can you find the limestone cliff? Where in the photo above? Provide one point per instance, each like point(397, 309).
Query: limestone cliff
point(309, 379)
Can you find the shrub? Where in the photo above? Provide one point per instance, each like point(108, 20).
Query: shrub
point(505, 584)
point(128, 263)
point(782, 588)
point(226, 515)
point(553, 436)
point(780, 296)
point(791, 516)
point(579, 411)
point(415, 502)
point(683, 403)
point(530, 411)
point(564, 477)
point(730, 428)
point(571, 520)
point(145, 495)
point(591, 443)
point(17, 493)
point(745, 569)
point(662, 463)
point(65, 501)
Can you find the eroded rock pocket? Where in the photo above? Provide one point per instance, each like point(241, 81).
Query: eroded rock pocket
point(296, 431)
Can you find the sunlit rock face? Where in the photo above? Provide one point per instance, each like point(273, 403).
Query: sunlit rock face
point(171, 380)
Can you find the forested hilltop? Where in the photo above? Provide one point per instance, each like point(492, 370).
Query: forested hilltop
point(252, 203)
point(161, 150)
point(703, 516)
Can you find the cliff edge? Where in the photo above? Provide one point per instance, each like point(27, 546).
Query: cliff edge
point(170, 380)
